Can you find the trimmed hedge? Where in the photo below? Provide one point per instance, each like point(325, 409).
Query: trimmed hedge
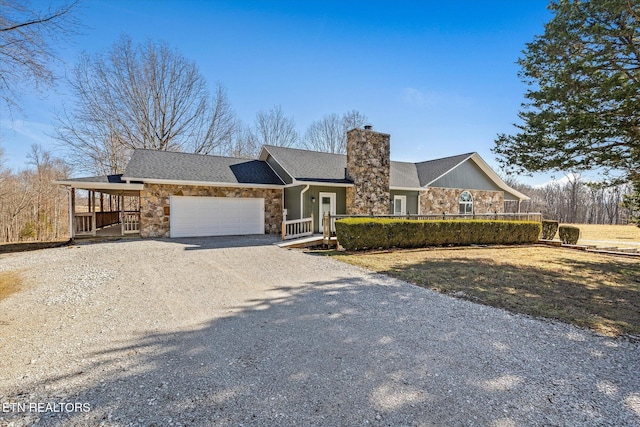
point(569, 234)
point(374, 233)
point(549, 229)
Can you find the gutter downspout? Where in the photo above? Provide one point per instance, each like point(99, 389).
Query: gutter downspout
point(302, 202)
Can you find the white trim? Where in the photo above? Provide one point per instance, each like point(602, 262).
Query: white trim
point(494, 176)
point(332, 208)
point(264, 159)
point(318, 184)
point(406, 188)
point(403, 204)
point(479, 161)
point(85, 185)
point(304, 190)
point(203, 183)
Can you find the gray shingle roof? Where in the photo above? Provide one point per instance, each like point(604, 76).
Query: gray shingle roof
point(404, 175)
point(111, 179)
point(305, 165)
point(431, 170)
point(165, 165)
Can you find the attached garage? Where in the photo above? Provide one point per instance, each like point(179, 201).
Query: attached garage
point(193, 216)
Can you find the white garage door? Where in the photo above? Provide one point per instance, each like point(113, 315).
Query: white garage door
point(215, 216)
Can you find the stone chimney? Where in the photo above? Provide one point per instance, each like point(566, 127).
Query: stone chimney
point(368, 166)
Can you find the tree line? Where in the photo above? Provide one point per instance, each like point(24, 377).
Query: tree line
point(574, 200)
point(31, 206)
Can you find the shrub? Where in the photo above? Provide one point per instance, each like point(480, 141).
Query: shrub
point(569, 234)
point(374, 233)
point(549, 229)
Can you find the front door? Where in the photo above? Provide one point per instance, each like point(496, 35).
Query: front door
point(327, 204)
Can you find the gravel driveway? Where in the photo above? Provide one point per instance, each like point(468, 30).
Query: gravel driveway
point(236, 331)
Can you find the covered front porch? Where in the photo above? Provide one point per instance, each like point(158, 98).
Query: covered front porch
point(103, 206)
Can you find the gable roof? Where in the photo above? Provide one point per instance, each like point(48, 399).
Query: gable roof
point(306, 165)
point(431, 170)
point(153, 165)
point(315, 166)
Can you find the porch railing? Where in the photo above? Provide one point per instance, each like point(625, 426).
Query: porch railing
point(292, 229)
point(84, 223)
point(104, 219)
point(130, 222)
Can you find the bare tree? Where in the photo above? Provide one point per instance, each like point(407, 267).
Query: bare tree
point(272, 127)
point(144, 96)
point(27, 39)
point(31, 206)
point(330, 133)
point(243, 143)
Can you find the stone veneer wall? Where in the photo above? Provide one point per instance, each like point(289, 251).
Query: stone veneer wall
point(368, 166)
point(447, 200)
point(155, 207)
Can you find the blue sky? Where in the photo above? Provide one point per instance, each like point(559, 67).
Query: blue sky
point(439, 76)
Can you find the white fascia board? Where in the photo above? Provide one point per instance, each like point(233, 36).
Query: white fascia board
point(202, 183)
point(264, 154)
point(495, 178)
point(406, 188)
point(318, 184)
point(83, 185)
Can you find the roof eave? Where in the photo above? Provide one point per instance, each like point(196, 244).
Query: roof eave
point(297, 183)
point(203, 183)
point(495, 178)
point(88, 185)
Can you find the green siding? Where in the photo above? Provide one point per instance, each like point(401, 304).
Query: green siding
point(292, 202)
point(412, 200)
point(467, 176)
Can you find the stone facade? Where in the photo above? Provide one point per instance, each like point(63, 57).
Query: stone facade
point(368, 166)
point(155, 209)
point(446, 200)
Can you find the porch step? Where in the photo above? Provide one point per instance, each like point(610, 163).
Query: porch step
point(307, 242)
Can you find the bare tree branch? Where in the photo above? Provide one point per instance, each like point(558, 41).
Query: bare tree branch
point(28, 37)
point(144, 96)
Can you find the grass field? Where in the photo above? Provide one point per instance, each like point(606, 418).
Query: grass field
point(600, 292)
point(618, 233)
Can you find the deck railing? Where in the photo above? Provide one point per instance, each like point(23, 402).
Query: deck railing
point(292, 229)
point(84, 223)
point(105, 219)
point(130, 222)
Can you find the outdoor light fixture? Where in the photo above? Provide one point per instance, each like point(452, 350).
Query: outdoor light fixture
point(313, 199)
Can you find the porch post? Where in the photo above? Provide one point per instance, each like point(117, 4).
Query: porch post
point(92, 199)
point(72, 210)
point(121, 214)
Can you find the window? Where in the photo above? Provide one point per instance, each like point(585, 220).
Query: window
point(466, 203)
point(399, 205)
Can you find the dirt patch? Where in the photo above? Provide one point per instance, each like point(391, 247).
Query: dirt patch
point(10, 282)
point(6, 248)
